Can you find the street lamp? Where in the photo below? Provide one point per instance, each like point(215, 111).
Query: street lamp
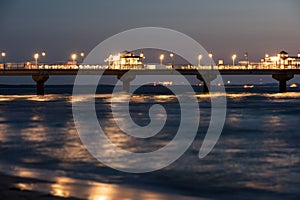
point(3, 54)
point(210, 55)
point(36, 57)
point(247, 58)
point(73, 56)
point(44, 55)
point(162, 56)
point(233, 59)
point(172, 57)
point(142, 56)
point(82, 54)
point(199, 60)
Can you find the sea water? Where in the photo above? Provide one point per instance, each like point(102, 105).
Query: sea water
point(256, 157)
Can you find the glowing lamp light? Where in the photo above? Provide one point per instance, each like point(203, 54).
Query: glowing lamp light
point(210, 55)
point(199, 59)
point(3, 54)
point(36, 56)
point(233, 59)
point(162, 56)
point(74, 57)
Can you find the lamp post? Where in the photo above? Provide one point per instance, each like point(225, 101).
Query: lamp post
point(44, 56)
point(162, 56)
point(82, 54)
point(199, 60)
point(233, 59)
point(73, 56)
point(36, 57)
point(3, 54)
point(210, 55)
point(142, 56)
point(172, 58)
point(247, 58)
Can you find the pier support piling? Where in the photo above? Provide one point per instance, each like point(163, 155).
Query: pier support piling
point(206, 81)
point(40, 83)
point(126, 79)
point(283, 78)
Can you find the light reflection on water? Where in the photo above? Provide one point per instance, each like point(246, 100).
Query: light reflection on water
point(259, 148)
point(66, 187)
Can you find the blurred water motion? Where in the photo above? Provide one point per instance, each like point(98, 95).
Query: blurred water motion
point(258, 152)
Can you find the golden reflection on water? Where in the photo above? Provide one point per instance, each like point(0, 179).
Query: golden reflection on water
point(66, 188)
point(45, 98)
point(122, 96)
point(25, 173)
point(274, 120)
point(60, 190)
point(284, 95)
point(35, 134)
point(3, 130)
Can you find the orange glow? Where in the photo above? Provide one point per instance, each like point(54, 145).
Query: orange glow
point(73, 56)
point(36, 56)
point(162, 56)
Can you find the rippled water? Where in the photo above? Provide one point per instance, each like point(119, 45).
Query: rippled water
point(257, 156)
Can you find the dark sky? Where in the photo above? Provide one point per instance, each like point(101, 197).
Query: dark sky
point(222, 26)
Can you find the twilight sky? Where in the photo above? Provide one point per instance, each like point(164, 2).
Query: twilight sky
point(223, 26)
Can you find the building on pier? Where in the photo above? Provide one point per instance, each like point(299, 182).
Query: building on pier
point(125, 60)
point(282, 60)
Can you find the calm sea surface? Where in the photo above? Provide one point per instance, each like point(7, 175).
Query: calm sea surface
point(257, 156)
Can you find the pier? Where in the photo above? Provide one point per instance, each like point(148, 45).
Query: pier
point(41, 73)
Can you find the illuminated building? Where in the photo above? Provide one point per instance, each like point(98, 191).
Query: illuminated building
point(125, 60)
point(282, 60)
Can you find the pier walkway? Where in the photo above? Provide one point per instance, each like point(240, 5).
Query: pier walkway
point(41, 72)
